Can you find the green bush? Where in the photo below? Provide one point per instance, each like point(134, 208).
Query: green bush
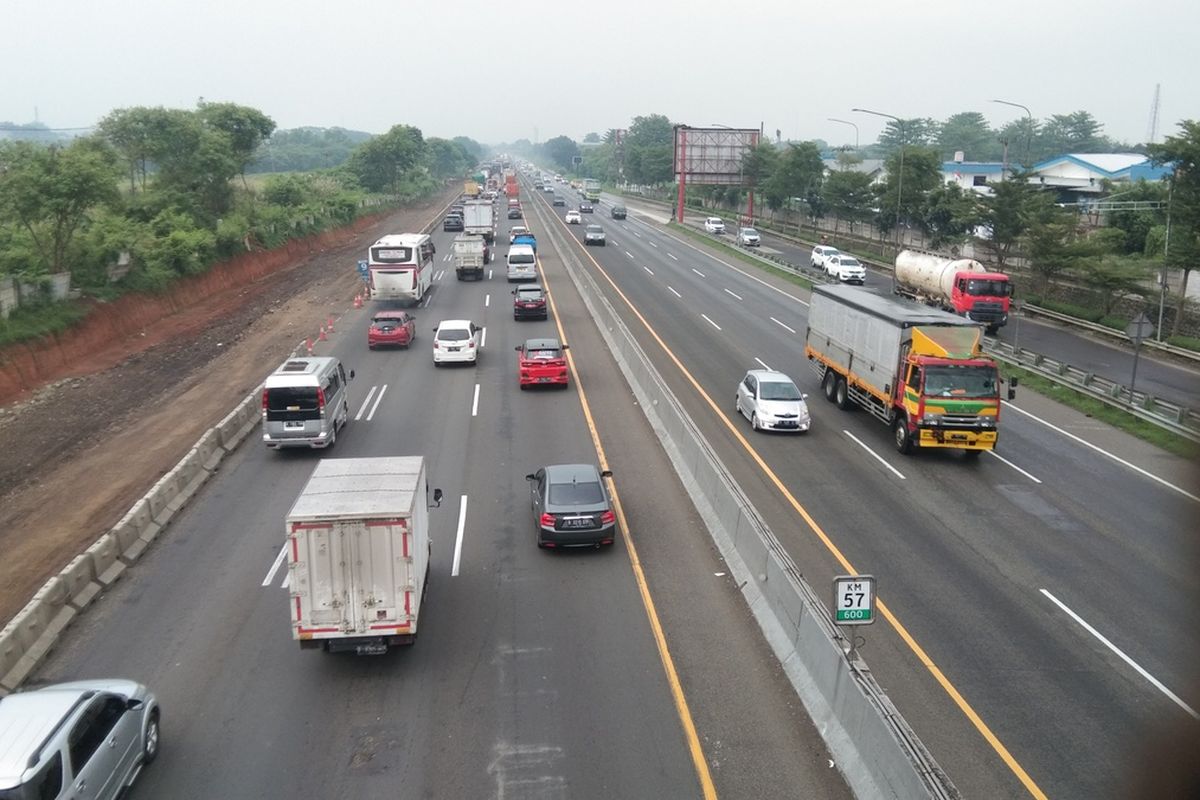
point(1187, 342)
point(35, 319)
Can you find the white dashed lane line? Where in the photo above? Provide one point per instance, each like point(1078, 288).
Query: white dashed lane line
point(710, 322)
point(475, 402)
point(698, 272)
point(677, 294)
point(672, 256)
point(788, 328)
point(648, 269)
point(733, 294)
point(763, 363)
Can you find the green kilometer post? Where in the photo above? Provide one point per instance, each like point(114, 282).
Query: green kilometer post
point(854, 599)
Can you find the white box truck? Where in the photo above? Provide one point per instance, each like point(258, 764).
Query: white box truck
point(470, 254)
point(478, 218)
point(358, 549)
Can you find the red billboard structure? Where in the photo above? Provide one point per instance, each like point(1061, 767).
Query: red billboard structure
point(708, 156)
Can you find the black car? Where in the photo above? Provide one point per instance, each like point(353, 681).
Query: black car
point(529, 302)
point(618, 212)
point(515, 213)
point(558, 201)
point(452, 222)
point(571, 507)
point(586, 208)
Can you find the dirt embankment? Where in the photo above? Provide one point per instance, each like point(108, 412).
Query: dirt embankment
point(105, 409)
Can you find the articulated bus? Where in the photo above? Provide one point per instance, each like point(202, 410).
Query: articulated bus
point(400, 267)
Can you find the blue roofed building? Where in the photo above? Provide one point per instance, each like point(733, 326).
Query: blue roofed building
point(1081, 176)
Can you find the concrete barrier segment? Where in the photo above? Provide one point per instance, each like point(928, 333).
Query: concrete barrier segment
point(210, 449)
point(106, 560)
point(80, 579)
point(37, 627)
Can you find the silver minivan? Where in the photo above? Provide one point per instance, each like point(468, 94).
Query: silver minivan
point(304, 403)
point(522, 263)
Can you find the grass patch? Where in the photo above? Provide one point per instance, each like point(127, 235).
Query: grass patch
point(787, 275)
point(1186, 342)
point(38, 319)
point(1146, 431)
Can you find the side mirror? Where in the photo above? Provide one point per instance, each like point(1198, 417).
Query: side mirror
point(531, 477)
point(606, 473)
point(1012, 387)
point(804, 395)
point(437, 497)
point(351, 374)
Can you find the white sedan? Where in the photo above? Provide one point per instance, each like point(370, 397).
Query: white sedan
point(574, 217)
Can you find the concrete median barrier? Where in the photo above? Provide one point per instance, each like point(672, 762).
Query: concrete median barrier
point(37, 627)
point(239, 422)
point(210, 450)
point(190, 475)
point(106, 560)
point(129, 541)
point(80, 579)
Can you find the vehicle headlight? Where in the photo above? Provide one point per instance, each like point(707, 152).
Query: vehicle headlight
point(931, 419)
point(987, 422)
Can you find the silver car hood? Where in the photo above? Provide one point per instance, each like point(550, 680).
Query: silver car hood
point(777, 407)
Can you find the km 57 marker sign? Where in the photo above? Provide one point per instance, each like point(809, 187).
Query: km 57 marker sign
point(854, 599)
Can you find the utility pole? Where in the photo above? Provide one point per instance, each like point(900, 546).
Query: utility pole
point(899, 178)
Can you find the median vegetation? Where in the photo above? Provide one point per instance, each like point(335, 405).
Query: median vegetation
point(156, 194)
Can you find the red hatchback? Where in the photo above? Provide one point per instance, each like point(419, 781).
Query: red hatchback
point(390, 328)
point(542, 362)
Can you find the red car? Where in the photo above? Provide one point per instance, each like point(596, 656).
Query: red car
point(542, 362)
point(390, 328)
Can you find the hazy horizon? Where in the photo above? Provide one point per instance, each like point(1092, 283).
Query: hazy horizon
point(534, 70)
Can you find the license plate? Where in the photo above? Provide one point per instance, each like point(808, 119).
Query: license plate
point(787, 423)
point(291, 426)
point(543, 380)
point(454, 349)
point(959, 437)
point(577, 522)
point(370, 649)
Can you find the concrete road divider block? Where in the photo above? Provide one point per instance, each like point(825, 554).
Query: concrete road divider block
point(106, 560)
point(11, 651)
point(80, 579)
point(129, 540)
point(239, 422)
point(190, 475)
point(37, 627)
point(209, 447)
point(160, 494)
point(139, 516)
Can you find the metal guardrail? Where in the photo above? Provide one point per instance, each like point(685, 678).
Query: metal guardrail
point(1175, 418)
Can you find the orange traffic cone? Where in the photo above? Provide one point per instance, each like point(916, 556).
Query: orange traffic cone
point(322, 337)
point(329, 325)
point(358, 301)
point(308, 345)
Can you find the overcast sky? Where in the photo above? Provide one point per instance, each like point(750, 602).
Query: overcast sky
point(498, 70)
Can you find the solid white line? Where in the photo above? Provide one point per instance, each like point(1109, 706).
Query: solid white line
point(738, 296)
point(698, 272)
point(366, 403)
point(1154, 681)
point(647, 269)
point(287, 579)
point(378, 397)
point(764, 364)
point(275, 566)
point(672, 256)
point(780, 324)
point(483, 339)
point(458, 539)
point(629, 254)
point(873, 454)
point(487, 300)
point(1014, 466)
point(1103, 452)
point(710, 322)
point(677, 294)
point(475, 402)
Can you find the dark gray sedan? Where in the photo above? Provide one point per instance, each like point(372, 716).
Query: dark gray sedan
point(571, 506)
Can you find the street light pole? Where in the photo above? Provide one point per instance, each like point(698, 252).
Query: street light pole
point(899, 177)
point(1028, 126)
point(851, 124)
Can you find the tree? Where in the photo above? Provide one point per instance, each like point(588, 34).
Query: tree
point(592, 138)
point(1182, 152)
point(798, 174)
point(1006, 214)
point(949, 214)
point(919, 132)
point(246, 127)
point(969, 132)
point(922, 174)
point(1135, 225)
point(650, 150)
point(446, 158)
point(49, 191)
point(650, 131)
point(1078, 132)
point(1056, 245)
point(848, 195)
point(1022, 137)
point(562, 151)
point(472, 148)
point(382, 163)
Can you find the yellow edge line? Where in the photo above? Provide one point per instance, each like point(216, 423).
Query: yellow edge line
point(660, 639)
point(892, 619)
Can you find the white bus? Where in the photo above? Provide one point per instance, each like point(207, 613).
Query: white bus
point(400, 267)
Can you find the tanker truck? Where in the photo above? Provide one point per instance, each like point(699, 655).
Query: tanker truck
point(959, 285)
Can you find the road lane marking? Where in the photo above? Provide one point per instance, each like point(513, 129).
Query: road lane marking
point(366, 403)
point(1120, 653)
point(629, 254)
point(647, 269)
point(677, 294)
point(699, 762)
point(733, 294)
point(483, 338)
point(275, 565)
point(788, 328)
point(475, 402)
point(764, 364)
point(635, 233)
point(672, 256)
point(885, 610)
point(487, 300)
point(652, 244)
point(710, 322)
point(754, 278)
point(378, 397)
point(287, 580)
point(1104, 452)
point(438, 277)
point(698, 272)
point(458, 537)
point(874, 455)
point(1014, 466)
point(489, 274)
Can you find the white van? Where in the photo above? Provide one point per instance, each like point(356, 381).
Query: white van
point(522, 263)
point(304, 403)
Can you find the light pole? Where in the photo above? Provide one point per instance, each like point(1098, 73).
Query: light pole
point(851, 124)
point(899, 177)
point(1028, 126)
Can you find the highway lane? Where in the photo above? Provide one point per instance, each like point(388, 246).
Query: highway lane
point(1074, 532)
point(535, 675)
point(1108, 358)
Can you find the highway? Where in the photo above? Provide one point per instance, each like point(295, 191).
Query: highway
point(1044, 595)
point(536, 674)
point(1105, 357)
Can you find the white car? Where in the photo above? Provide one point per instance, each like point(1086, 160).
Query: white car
point(714, 225)
point(771, 401)
point(748, 237)
point(456, 340)
point(515, 231)
point(574, 217)
point(846, 268)
point(819, 254)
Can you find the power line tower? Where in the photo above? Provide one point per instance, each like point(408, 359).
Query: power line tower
point(1152, 131)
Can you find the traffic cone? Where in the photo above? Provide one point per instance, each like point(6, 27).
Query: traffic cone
point(308, 345)
point(322, 337)
point(358, 301)
point(329, 324)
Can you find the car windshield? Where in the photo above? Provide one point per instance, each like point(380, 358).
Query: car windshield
point(453, 335)
point(849, 262)
point(594, 229)
point(527, 294)
point(391, 321)
point(576, 494)
point(965, 381)
point(778, 390)
point(521, 258)
point(985, 288)
point(749, 232)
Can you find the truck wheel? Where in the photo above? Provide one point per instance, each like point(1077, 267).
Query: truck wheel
point(972, 455)
point(992, 330)
point(829, 384)
point(903, 437)
point(842, 397)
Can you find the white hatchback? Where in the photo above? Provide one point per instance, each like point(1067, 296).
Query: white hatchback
point(771, 401)
point(456, 340)
point(714, 225)
point(574, 217)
